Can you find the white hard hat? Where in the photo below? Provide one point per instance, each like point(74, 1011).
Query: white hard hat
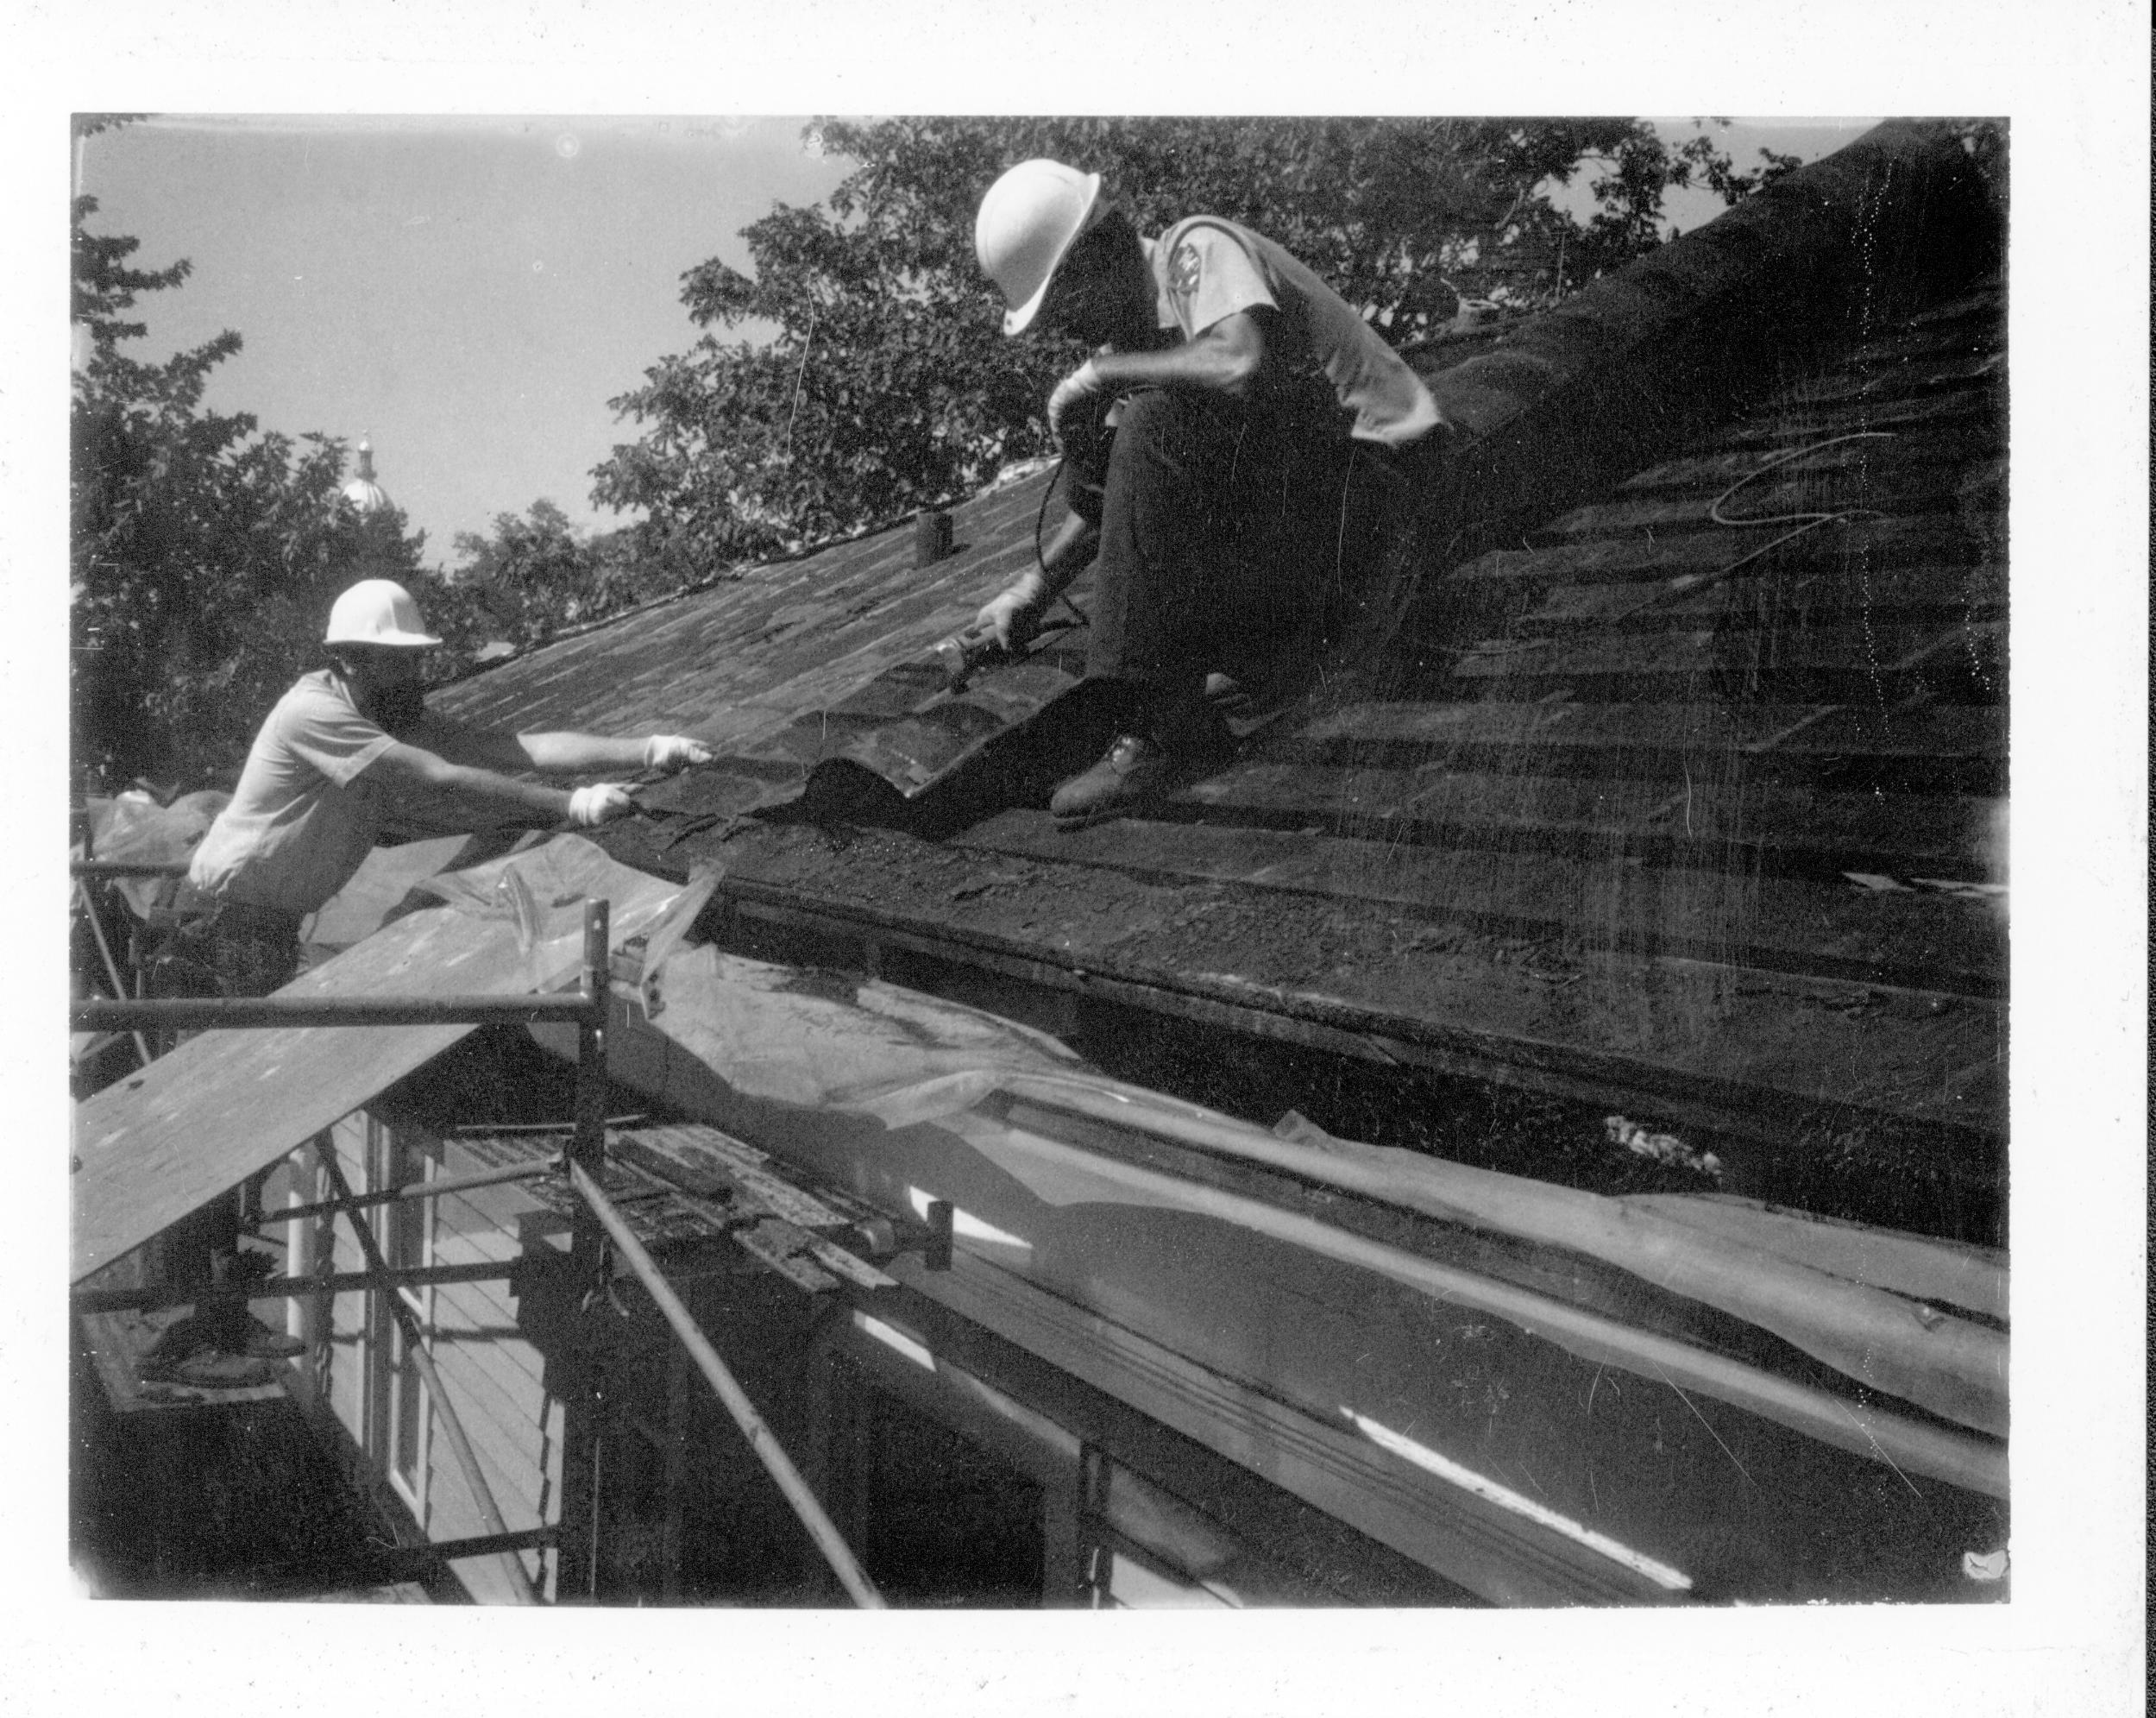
point(377, 612)
point(1029, 221)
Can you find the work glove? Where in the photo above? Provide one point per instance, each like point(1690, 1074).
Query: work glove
point(1081, 384)
point(601, 802)
point(674, 751)
point(1013, 615)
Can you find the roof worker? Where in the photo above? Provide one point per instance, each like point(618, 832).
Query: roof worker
point(310, 800)
point(302, 820)
point(1258, 423)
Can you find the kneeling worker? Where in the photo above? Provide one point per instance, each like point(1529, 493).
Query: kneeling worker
point(305, 816)
point(1253, 448)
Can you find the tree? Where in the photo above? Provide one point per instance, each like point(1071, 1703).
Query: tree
point(1630, 182)
point(535, 576)
point(203, 553)
point(887, 386)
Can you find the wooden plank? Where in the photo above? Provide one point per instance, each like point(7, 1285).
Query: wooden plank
point(1571, 737)
point(1928, 940)
point(1898, 489)
point(1898, 595)
point(153, 1147)
point(1935, 376)
point(1989, 299)
point(1786, 424)
point(709, 1163)
point(1973, 324)
point(1838, 663)
point(1705, 549)
point(1951, 442)
point(1714, 822)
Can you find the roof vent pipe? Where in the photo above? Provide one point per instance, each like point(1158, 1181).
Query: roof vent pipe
point(932, 538)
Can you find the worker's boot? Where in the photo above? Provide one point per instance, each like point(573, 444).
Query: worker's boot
point(1177, 742)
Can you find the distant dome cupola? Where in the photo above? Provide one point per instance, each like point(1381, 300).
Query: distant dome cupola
point(365, 494)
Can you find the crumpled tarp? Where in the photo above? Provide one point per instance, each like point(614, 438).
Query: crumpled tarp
point(822, 1040)
point(135, 827)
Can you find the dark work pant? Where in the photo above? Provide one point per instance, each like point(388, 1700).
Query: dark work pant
point(229, 950)
point(1228, 535)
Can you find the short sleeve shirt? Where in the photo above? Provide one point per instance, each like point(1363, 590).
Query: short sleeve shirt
point(304, 816)
point(1206, 269)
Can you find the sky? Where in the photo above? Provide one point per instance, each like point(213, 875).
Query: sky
point(469, 293)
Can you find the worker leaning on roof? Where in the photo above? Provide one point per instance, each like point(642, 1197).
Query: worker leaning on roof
point(309, 803)
point(301, 822)
point(1249, 463)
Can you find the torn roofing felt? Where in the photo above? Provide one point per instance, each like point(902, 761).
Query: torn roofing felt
point(1665, 771)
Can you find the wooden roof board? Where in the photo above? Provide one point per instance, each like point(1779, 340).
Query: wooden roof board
point(1872, 543)
point(1761, 822)
point(153, 1147)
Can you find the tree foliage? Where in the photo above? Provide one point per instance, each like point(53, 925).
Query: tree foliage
point(204, 552)
point(889, 386)
point(535, 576)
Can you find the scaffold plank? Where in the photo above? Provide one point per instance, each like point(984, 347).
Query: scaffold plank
point(153, 1147)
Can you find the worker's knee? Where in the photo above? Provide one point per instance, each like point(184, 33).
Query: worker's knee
point(1166, 471)
point(1149, 414)
point(1156, 429)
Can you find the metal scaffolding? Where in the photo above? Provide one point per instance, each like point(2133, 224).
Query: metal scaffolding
point(596, 1224)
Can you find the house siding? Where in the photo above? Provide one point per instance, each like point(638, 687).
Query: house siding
point(493, 1377)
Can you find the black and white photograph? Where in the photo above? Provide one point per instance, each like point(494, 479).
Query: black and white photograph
point(1040, 852)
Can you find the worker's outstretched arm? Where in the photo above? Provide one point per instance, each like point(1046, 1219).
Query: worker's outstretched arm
point(475, 794)
point(477, 797)
point(563, 753)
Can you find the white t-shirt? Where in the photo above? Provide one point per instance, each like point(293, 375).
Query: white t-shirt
point(304, 816)
point(1205, 269)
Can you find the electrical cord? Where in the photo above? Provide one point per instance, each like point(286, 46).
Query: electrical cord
point(1040, 527)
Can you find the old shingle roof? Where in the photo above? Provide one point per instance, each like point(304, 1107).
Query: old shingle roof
point(1695, 819)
